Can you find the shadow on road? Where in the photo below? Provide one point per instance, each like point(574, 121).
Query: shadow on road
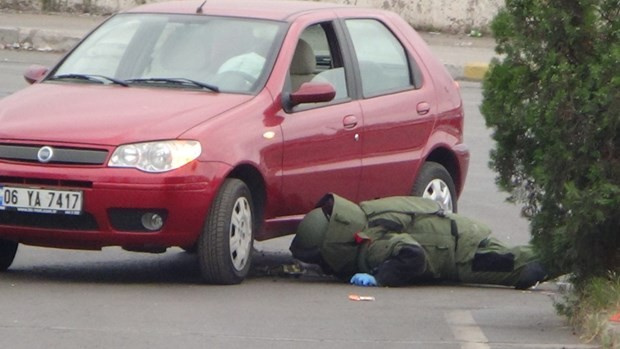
point(174, 267)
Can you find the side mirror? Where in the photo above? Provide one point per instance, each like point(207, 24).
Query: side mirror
point(309, 92)
point(35, 73)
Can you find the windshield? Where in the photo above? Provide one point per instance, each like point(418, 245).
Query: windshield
point(176, 51)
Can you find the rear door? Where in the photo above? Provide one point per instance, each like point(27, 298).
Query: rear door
point(398, 109)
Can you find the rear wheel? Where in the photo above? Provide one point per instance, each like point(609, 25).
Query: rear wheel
point(434, 182)
point(8, 249)
point(225, 245)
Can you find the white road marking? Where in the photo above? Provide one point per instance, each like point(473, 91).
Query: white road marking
point(466, 331)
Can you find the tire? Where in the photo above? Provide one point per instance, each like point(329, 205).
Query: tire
point(225, 245)
point(434, 182)
point(8, 249)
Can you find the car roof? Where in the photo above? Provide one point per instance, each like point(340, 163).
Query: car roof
point(266, 9)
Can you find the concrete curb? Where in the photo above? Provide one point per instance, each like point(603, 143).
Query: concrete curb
point(470, 71)
point(475, 71)
point(610, 335)
point(37, 39)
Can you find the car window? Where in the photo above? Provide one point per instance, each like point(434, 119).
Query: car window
point(231, 53)
point(383, 62)
point(318, 58)
point(316, 37)
point(102, 51)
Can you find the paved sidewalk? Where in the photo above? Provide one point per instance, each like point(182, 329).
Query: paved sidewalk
point(466, 58)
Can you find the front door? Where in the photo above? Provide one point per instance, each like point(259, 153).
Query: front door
point(322, 146)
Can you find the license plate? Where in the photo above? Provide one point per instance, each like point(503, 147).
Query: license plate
point(41, 200)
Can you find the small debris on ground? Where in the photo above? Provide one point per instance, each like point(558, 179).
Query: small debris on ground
point(355, 297)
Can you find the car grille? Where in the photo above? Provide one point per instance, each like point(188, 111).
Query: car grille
point(29, 153)
point(45, 182)
point(85, 221)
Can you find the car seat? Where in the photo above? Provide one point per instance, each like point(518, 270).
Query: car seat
point(303, 65)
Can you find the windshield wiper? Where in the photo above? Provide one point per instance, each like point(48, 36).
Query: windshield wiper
point(90, 77)
point(175, 81)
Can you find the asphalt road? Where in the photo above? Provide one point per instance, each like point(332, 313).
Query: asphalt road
point(115, 299)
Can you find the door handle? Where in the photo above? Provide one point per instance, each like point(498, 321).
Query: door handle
point(423, 108)
point(349, 121)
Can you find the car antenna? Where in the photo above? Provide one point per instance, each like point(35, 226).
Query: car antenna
point(199, 9)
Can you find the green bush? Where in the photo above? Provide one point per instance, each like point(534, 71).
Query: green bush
point(553, 101)
point(590, 309)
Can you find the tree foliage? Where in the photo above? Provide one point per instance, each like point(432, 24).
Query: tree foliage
point(553, 102)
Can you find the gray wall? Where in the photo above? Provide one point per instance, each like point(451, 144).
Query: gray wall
point(440, 15)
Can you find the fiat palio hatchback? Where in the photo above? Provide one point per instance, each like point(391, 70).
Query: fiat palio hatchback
point(207, 125)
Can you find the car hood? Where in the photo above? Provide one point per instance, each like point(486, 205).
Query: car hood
point(107, 115)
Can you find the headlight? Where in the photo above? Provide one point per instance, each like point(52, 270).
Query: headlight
point(155, 156)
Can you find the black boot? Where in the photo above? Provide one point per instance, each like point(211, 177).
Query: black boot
point(531, 274)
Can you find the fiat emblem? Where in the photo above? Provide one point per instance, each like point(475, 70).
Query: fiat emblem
point(45, 154)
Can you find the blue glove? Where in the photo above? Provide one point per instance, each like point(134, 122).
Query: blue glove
point(362, 279)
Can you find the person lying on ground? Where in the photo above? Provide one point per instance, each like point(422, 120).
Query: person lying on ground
point(405, 240)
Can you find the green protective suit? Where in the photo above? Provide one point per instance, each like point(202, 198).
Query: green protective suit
point(361, 238)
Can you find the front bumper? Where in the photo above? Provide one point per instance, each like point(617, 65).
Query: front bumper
point(114, 201)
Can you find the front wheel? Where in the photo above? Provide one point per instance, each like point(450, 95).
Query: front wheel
point(434, 182)
point(8, 249)
point(225, 245)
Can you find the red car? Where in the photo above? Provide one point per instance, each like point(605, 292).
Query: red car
point(206, 125)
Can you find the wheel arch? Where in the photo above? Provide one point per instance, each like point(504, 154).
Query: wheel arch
point(448, 159)
point(253, 178)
